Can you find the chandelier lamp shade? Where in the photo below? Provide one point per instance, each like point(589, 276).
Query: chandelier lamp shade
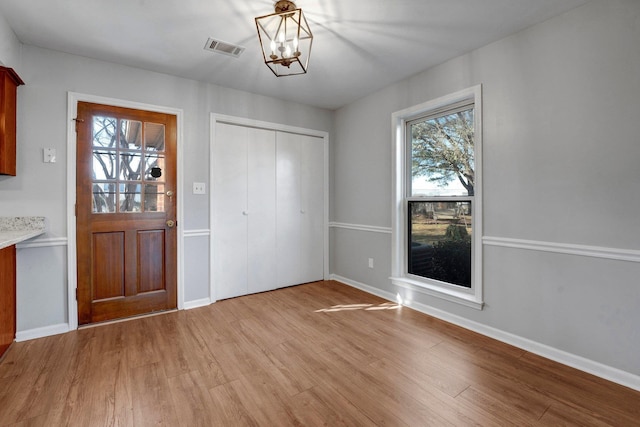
point(285, 39)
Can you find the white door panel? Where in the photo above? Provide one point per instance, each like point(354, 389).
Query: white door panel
point(300, 195)
point(261, 199)
point(312, 202)
point(229, 192)
point(288, 210)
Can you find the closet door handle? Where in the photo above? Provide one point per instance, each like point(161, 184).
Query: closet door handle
point(245, 213)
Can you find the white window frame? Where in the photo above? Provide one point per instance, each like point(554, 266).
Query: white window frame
point(471, 297)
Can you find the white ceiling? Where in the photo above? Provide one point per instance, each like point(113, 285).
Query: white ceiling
point(359, 46)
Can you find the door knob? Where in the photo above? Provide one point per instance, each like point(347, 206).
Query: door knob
point(171, 223)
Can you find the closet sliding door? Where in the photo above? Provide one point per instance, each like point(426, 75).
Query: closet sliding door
point(261, 214)
point(244, 212)
point(300, 208)
point(267, 209)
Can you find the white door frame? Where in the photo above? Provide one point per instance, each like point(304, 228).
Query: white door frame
point(72, 108)
point(241, 121)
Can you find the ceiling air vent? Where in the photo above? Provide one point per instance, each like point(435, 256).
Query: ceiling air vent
point(224, 48)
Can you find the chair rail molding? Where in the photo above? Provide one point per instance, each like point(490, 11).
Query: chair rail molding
point(617, 254)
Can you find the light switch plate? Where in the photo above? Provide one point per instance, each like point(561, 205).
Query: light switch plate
point(199, 188)
point(49, 155)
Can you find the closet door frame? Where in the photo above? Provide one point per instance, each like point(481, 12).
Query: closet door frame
point(241, 121)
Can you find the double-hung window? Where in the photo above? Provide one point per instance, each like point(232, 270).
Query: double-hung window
point(437, 228)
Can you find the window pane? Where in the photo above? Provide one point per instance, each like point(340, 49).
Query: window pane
point(151, 162)
point(130, 166)
point(104, 165)
point(130, 134)
point(440, 246)
point(104, 131)
point(153, 198)
point(154, 136)
point(129, 197)
point(104, 197)
point(442, 155)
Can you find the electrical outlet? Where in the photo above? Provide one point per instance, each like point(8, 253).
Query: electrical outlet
point(199, 188)
point(370, 262)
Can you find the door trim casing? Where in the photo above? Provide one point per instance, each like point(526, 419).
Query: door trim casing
point(242, 121)
point(72, 107)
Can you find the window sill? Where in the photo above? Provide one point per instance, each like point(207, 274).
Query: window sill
point(452, 295)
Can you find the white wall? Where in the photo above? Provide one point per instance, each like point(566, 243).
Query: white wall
point(561, 165)
point(40, 189)
point(9, 46)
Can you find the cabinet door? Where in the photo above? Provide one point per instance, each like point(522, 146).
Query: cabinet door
point(300, 205)
point(230, 211)
point(7, 297)
point(9, 82)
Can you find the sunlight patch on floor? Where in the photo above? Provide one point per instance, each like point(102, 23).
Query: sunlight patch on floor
point(366, 307)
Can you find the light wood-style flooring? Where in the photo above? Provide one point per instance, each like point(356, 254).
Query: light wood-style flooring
point(311, 355)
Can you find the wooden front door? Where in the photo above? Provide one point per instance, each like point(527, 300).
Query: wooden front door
point(126, 212)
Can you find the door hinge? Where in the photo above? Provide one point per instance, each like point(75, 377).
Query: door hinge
point(77, 120)
point(76, 294)
point(75, 208)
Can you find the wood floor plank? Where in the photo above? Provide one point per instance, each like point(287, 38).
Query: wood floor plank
point(263, 401)
point(316, 354)
point(191, 399)
point(322, 407)
point(152, 404)
point(380, 400)
point(596, 391)
point(227, 408)
point(560, 414)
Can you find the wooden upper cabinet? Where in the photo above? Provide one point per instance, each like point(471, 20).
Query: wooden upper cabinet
point(9, 82)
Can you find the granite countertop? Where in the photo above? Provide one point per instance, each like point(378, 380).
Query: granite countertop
point(18, 229)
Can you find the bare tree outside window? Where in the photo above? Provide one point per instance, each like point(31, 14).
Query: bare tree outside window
point(442, 150)
point(124, 154)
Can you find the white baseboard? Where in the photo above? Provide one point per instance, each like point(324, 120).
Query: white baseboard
point(188, 305)
point(31, 334)
point(598, 369)
point(369, 289)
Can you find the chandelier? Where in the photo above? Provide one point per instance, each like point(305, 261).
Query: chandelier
point(285, 39)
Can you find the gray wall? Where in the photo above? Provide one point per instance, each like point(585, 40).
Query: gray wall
point(40, 189)
point(561, 165)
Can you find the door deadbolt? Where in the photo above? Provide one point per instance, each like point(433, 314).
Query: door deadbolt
point(171, 223)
